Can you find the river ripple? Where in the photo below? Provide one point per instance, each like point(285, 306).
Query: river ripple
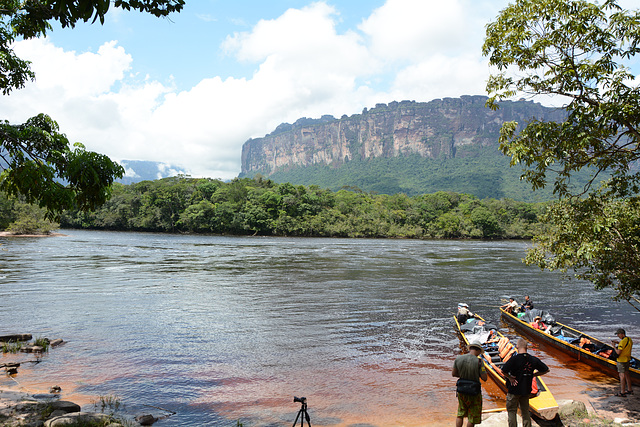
point(220, 329)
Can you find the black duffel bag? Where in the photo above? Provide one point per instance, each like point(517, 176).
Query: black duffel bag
point(465, 386)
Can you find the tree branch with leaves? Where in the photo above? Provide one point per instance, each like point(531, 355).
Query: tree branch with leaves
point(36, 160)
point(576, 51)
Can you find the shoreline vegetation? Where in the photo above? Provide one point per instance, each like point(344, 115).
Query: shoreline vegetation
point(258, 206)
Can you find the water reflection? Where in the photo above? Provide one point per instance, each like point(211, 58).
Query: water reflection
point(220, 329)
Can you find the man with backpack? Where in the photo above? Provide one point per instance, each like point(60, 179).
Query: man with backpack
point(521, 370)
point(469, 369)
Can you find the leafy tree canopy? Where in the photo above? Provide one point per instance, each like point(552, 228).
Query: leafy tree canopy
point(576, 50)
point(247, 206)
point(36, 159)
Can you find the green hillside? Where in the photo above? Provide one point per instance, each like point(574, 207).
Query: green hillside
point(486, 176)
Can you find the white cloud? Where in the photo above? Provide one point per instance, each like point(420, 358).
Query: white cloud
point(442, 76)
point(414, 50)
point(130, 173)
point(416, 29)
point(85, 74)
point(206, 17)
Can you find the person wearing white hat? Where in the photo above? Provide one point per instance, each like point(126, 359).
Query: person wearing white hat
point(464, 313)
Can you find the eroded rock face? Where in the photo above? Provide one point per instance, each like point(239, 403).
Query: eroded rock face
point(450, 127)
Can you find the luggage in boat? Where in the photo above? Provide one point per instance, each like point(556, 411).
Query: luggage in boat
point(583, 347)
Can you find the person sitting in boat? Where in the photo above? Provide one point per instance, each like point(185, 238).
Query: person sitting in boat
point(464, 313)
point(527, 304)
point(539, 324)
point(511, 306)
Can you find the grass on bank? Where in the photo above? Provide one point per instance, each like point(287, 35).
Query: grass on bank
point(582, 418)
point(14, 347)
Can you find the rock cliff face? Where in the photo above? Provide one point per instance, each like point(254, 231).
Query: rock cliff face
point(443, 128)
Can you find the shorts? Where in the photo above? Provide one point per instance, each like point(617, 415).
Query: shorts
point(622, 367)
point(470, 406)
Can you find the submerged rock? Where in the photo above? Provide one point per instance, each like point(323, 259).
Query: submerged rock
point(15, 337)
point(32, 349)
point(56, 342)
point(146, 420)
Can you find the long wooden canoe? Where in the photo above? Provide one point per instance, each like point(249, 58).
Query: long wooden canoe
point(595, 353)
point(543, 404)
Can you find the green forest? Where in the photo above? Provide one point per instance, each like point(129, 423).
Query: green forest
point(258, 206)
point(486, 174)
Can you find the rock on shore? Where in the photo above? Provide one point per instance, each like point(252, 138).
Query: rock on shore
point(577, 413)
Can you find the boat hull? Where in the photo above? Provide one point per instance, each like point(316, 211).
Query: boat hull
point(601, 363)
point(543, 405)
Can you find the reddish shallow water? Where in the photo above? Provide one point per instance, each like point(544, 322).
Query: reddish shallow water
point(424, 391)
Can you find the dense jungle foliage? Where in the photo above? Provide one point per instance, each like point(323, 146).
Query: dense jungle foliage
point(260, 206)
point(19, 217)
point(486, 174)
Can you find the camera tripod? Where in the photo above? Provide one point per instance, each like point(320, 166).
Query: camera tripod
point(302, 413)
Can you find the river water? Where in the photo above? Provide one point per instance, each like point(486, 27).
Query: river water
point(226, 329)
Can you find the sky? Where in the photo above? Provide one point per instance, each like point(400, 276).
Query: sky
point(189, 90)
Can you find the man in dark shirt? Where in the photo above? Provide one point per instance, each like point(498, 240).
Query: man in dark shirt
point(520, 371)
point(528, 304)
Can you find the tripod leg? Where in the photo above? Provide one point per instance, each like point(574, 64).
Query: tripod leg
point(301, 419)
point(306, 415)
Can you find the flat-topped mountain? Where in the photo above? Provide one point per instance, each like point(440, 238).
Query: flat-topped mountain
point(413, 147)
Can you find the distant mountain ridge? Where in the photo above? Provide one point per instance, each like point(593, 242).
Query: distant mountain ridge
point(408, 146)
point(145, 170)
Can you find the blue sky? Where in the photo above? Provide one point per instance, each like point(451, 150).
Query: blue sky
point(191, 89)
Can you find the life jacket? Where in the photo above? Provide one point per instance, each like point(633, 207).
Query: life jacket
point(493, 338)
point(506, 349)
point(605, 353)
point(503, 341)
point(534, 386)
point(495, 368)
point(509, 354)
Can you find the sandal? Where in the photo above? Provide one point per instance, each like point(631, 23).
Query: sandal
point(628, 392)
point(620, 394)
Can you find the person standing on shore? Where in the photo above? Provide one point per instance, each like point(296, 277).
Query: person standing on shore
point(521, 370)
point(623, 348)
point(470, 367)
